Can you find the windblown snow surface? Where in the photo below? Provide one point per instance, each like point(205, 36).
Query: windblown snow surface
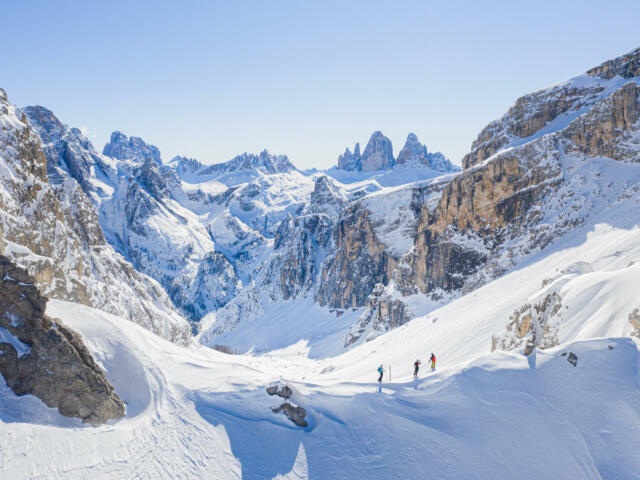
point(193, 412)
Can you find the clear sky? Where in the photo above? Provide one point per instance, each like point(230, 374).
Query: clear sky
point(211, 79)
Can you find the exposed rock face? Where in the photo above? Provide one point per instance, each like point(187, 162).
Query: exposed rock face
point(296, 414)
point(518, 202)
point(412, 149)
point(600, 131)
point(280, 389)
point(415, 151)
point(326, 198)
point(52, 230)
point(350, 161)
point(216, 283)
point(42, 357)
point(478, 211)
point(530, 114)
point(357, 263)
point(68, 152)
point(378, 154)
point(297, 243)
point(535, 325)
point(626, 66)
point(634, 320)
point(131, 148)
point(383, 313)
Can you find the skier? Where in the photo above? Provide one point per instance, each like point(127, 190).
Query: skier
point(416, 367)
point(380, 371)
point(432, 359)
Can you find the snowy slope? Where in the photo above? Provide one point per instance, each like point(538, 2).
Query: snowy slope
point(196, 413)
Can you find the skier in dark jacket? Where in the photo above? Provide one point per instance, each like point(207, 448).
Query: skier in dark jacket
point(381, 372)
point(416, 367)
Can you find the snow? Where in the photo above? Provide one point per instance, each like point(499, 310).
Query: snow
point(300, 321)
point(196, 413)
point(398, 175)
point(7, 337)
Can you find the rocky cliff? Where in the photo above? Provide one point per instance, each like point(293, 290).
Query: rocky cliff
point(42, 357)
point(414, 151)
point(377, 155)
point(531, 177)
point(52, 230)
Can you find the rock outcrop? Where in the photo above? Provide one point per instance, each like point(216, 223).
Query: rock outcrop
point(43, 357)
point(280, 389)
point(634, 320)
point(532, 326)
point(358, 261)
point(383, 312)
point(295, 413)
point(414, 151)
point(350, 161)
point(51, 227)
point(625, 66)
point(377, 155)
point(122, 147)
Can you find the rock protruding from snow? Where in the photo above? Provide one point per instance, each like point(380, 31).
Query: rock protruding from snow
point(326, 197)
point(122, 147)
point(625, 66)
point(350, 161)
point(295, 413)
point(280, 389)
point(377, 155)
point(634, 320)
point(532, 324)
point(43, 357)
point(415, 151)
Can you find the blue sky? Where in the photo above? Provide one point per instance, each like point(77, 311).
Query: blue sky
point(214, 79)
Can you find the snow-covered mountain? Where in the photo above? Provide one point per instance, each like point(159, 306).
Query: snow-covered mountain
point(389, 239)
point(519, 272)
point(49, 226)
point(206, 232)
point(557, 160)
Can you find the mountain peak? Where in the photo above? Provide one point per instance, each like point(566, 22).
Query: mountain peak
point(377, 155)
point(413, 150)
point(47, 124)
point(122, 147)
